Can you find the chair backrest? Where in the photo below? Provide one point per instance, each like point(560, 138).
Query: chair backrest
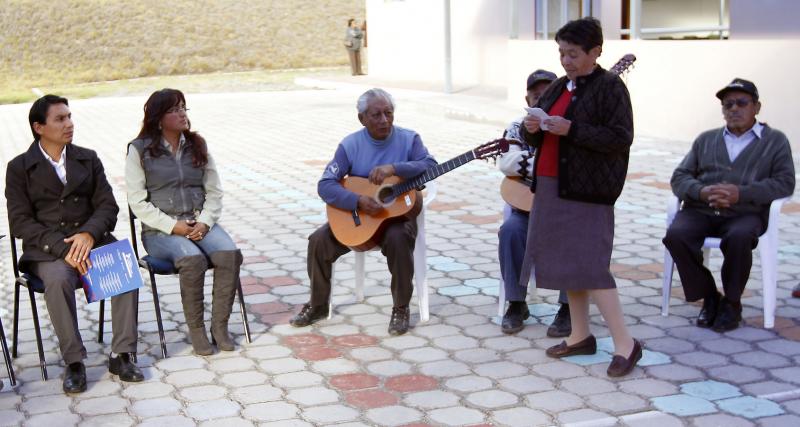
point(12, 240)
point(134, 240)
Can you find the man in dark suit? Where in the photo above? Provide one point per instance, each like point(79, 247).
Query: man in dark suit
point(61, 206)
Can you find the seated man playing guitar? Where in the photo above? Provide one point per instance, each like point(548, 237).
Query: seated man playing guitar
point(377, 152)
point(517, 163)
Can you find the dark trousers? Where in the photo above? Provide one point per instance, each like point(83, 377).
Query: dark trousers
point(397, 245)
point(738, 237)
point(512, 238)
point(60, 281)
point(355, 61)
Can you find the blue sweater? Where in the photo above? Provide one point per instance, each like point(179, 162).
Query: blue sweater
point(359, 153)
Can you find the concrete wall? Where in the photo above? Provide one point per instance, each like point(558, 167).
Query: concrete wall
point(406, 40)
point(673, 83)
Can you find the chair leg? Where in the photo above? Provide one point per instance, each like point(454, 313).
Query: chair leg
point(330, 297)
point(359, 276)
point(501, 298)
point(15, 321)
point(102, 321)
point(35, 312)
point(157, 307)
point(243, 311)
point(7, 355)
point(666, 288)
point(769, 276)
point(420, 275)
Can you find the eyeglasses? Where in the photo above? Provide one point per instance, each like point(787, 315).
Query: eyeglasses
point(176, 110)
point(741, 103)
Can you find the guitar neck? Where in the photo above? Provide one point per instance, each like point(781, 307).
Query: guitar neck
point(432, 173)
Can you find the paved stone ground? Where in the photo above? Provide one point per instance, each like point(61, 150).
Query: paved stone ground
point(456, 369)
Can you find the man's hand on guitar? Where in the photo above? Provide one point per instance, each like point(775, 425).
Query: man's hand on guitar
point(379, 173)
point(368, 205)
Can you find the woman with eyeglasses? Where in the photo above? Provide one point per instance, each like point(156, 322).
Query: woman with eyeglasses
point(174, 188)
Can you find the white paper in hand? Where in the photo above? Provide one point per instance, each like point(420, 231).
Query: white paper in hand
point(538, 112)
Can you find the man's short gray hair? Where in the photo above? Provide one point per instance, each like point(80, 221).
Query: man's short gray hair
point(371, 94)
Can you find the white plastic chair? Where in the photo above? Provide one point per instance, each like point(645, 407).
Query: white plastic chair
point(501, 294)
point(767, 248)
point(420, 262)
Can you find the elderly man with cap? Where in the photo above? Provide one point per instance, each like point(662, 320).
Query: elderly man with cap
point(727, 182)
point(512, 235)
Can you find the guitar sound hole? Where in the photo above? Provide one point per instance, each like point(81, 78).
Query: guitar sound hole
point(385, 195)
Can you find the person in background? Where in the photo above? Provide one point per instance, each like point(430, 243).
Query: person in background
point(727, 182)
point(517, 161)
point(580, 165)
point(174, 188)
point(61, 205)
point(352, 42)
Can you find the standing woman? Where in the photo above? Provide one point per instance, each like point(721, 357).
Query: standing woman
point(581, 162)
point(352, 42)
point(174, 189)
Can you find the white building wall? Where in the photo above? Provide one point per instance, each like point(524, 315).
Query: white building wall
point(406, 40)
point(672, 84)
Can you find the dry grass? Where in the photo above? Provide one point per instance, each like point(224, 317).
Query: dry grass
point(56, 44)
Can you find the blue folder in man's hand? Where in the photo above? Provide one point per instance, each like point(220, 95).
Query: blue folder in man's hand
point(114, 271)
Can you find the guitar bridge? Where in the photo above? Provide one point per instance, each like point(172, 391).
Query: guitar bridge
point(356, 218)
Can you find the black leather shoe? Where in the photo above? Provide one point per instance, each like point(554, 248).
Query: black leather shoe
point(709, 311)
point(516, 314)
point(562, 323)
point(309, 315)
point(74, 378)
point(124, 366)
point(728, 317)
point(398, 325)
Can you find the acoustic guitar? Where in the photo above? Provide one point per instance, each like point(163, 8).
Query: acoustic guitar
point(400, 199)
point(516, 190)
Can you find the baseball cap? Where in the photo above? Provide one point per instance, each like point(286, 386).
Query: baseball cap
point(740, 85)
point(540, 76)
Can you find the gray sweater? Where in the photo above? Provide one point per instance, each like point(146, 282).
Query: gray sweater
point(764, 171)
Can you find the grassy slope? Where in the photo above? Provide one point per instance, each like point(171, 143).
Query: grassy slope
point(51, 44)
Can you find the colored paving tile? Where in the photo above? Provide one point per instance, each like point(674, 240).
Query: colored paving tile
point(683, 405)
point(435, 260)
point(589, 359)
point(650, 358)
point(357, 340)
point(354, 381)
point(366, 399)
point(483, 282)
point(451, 266)
point(457, 291)
point(304, 340)
point(490, 291)
point(317, 352)
point(540, 310)
point(750, 407)
point(710, 390)
point(407, 383)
